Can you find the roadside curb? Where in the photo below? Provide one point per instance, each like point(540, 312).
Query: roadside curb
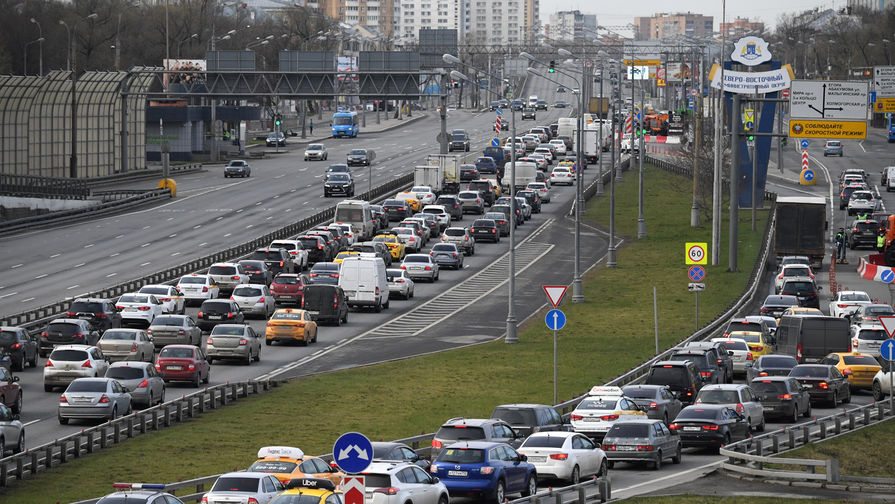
point(872, 489)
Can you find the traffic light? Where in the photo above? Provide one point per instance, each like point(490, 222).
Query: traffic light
point(783, 143)
point(551, 69)
point(278, 120)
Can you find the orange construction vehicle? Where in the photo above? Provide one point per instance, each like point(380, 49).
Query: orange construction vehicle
point(657, 124)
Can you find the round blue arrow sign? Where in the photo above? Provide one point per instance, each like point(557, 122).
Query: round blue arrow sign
point(804, 143)
point(887, 349)
point(555, 320)
point(495, 142)
point(353, 452)
point(499, 112)
point(887, 276)
point(808, 175)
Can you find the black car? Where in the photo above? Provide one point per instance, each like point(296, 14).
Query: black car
point(657, 400)
point(336, 168)
point(338, 184)
point(258, 271)
point(782, 396)
point(770, 365)
point(718, 351)
point(396, 210)
point(484, 188)
point(824, 382)
point(380, 216)
point(316, 247)
point(218, 311)
point(276, 139)
point(101, 313)
point(66, 332)
point(705, 360)
point(338, 233)
point(560, 104)
point(237, 168)
point(325, 273)
point(391, 451)
point(710, 425)
point(533, 199)
point(804, 289)
point(494, 105)
point(863, 232)
point(775, 305)
point(331, 244)
point(326, 303)
point(485, 229)
point(362, 157)
point(468, 172)
point(518, 104)
point(541, 105)
point(20, 345)
point(459, 142)
point(452, 205)
point(681, 377)
point(526, 419)
point(378, 248)
point(529, 113)
point(277, 260)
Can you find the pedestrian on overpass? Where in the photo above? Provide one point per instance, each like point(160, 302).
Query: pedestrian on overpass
point(841, 246)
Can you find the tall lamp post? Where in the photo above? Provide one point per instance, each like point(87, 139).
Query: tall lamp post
point(179, 44)
point(73, 40)
point(511, 336)
point(40, 35)
point(577, 288)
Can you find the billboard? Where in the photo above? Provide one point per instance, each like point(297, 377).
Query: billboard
point(186, 67)
point(677, 72)
point(638, 72)
point(346, 65)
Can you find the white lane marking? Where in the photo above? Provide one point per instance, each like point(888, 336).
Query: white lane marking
point(172, 235)
point(256, 204)
point(197, 226)
point(175, 254)
point(861, 144)
point(89, 245)
point(146, 245)
point(170, 218)
point(17, 266)
point(239, 211)
point(7, 295)
point(79, 265)
point(288, 209)
point(675, 475)
point(40, 276)
point(110, 275)
point(146, 263)
point(115, 254)
point(249, 226)
point(268, 218)
point(146, 227)
point(75, 286)
point(228, 234)
point(277, 196)
point(306, 202)
point(54, 256)
point(293, 190)
point(219, 218)
point(32, 422)
point(280, 176)
point(27, 299)
point(203, 244)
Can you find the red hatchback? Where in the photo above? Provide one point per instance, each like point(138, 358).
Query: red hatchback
point(287, 288)
point(183, 363)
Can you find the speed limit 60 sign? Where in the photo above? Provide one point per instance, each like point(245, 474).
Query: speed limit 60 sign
point(695, 253)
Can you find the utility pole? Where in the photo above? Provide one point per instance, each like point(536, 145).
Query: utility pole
point(734, 183)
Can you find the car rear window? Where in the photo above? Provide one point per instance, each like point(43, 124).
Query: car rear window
point(273, 466)
point(602, 403)
point(462, 456)
point(872, 334)
point(133, 299)
point(743, 326)
point(809, 372)
point(718, 396)
point(177, 353)
point(622, 430)
point(483, 223)
point(779, 361)
point(867, 226)
point(879, 310)
point(796, 272)
point(516, 416)
point(125, 373)
point(544, 442)
point(859, 360)
point(216, 306)
point(798, 287)
point(455, 232)
point(698, 414)
point(285, 280)
point(68, 355)
point(247, 292)
point(667, 376)
point(154, 290)
point(235, 484)
point(309, 242)
point(227, 331)
point(460, 433)
point(768, 388)
point(416, 259)
point(736, 345)
point(167, 321)
point(64, 329)
point(222, 270)
point(640, 393)
point(85, 306)
point(268, 255)
point(7, 337)
point(87, 386)
point(446, 247)
point(113, 334)
point(748, 337)
point(286, 316)
point(285, 246)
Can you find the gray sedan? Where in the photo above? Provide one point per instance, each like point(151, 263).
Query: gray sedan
point(657, 400)
point(94, 398)
point(472, 202)
point(420, 266)
point(257, 487)
point(174, 330)
point(141, 379)
point(447, 255)
point(233, 341)
point(12, 431)
point(127, 344)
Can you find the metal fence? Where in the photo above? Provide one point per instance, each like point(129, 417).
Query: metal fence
point(43, 187)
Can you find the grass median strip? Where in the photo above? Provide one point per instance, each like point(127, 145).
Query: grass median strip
point(608, 334)
point(714, 499)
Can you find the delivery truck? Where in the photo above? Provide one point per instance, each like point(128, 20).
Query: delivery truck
point(441, 172)
point(800, 229)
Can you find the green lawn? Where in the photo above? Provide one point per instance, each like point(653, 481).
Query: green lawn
point(751, 499)
point(608, 334)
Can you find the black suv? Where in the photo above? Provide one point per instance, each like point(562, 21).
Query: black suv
point(533, 199)
point(338, 184)
point(396, 210)
point(720, 353)
point(67, 332)
point(485, 229)
point(681, 377)
point(101, 313)
point(460, 142)
point(218, 311)
point(277, 260)
point(804, 289)
point(529, 113)
point(316, 247)
point(526, 419)
point(706, 363)
point(483, 187)
point(863, 232)
point(20, 345)
point(452, 205)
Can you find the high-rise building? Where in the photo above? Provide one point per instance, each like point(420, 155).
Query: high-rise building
point(412, 15)
point(531, 20)
point(740, 27)
point(874, 5)
point(376, 15)
point(571, 25)
point(496, 22)
point(665, 25)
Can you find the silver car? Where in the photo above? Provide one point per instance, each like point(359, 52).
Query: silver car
point(92, 398)
point(174, 330)
point(12, 431)
point(233, 341)
point(254, 299)
point(420, 266)
point(141, 379)
point(70, 362)
point(127, 344)
point(316, 151)
point(542, 190)
point(447, 255)
point(440, 213)
point(238, 487)
point(228, 276)
point(399, 284)
point(472, 202)
point(237, 168)
point(461, 238)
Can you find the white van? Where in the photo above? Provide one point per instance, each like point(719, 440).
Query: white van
point(532, 100)
point(890, 178)
point(359, 215)
point(364, 281)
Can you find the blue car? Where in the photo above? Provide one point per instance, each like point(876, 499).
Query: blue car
point(486, 164)
point(486, 470)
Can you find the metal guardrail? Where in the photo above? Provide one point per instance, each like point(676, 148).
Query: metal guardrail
point(43, 187)
point(34, 317)
point(46, 456)
point(174, 169)
point(602, 485)
point(751, 456)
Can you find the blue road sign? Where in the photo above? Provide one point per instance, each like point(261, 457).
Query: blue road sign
point(696, 273)
point(750, 125)
point(808, 175)
point(495, 142)
point(804, 143)
point(555, 320)
point(352, 452)
point(873, 97)
point(499, 111)
point(887, 349)
point(887, 276)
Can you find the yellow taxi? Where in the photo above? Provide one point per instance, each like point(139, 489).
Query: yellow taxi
point(859, 369)
point(309, 491)
point(411, 199)
point(756, 341)
point(566, 163)
point(287, 463)
point(395, 246)
point(343, 254)
point(287, 325)
point(800, 310)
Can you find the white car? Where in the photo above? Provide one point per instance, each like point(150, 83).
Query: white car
point(862, 202)
point(316, 151)
point(741, 356)
point(120, 344)
point(560, 145)
point(881, 382)
point(542, 190)
point(867, 338)
point(254, 299)
point(791, 270)
point(544, 151)
point(171, 298)
point(68, 362)
point(627, 144)
point(255, 487)
point(603, 406)
point(295, 249)
point(401, 483)
point(424, 194)
point(420, 266)
point(409, 237)
point(562, 175)
point(228, 275)
point(138, 308)
point(197, 287)
point(847, 302)
point(440, 213)
point(566, 456)
point(399, 283)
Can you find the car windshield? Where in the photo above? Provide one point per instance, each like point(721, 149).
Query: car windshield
point(168, 320)
point(698, 414)
point(315, 147)
point(125, 373)
point(176, 353)
point(459, 137)
point(460, 433)
point(235, 484)
point(357, 152)
point(640, 393)
point(339, 177)
point(859, 360)
point(193, 280)
point(113, 334)
point(718, 396)
point(87, 386)
point(623, 431)
point(810, 372)
point(545, 441)
point(247, 292)
point(343, 120)
point(461, 456)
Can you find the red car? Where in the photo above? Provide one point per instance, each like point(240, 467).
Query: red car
point(183, 363)
point(287, 288)
point(10, 391)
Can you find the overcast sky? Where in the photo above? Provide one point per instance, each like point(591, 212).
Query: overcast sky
point(611, 13)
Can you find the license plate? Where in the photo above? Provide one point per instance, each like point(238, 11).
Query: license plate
point(625, 448)
point(215, 317)
point(458, 473)
point(537, 459)
point(808, 385)
point(591, 419)
point(174, 368)
point(769, 408)
point(130, 309)
point(283, 297)
point(691, 429)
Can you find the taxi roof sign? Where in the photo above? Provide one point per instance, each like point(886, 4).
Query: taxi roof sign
point(319, 483)
point(601, 390)
point(280, 451)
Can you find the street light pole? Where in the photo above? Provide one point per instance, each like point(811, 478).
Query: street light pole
point(641, 220)
point(40, 34)
point(73, 160)
point(611, 253)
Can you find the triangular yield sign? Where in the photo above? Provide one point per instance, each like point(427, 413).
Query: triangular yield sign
point(556, 292)
point(888, 323)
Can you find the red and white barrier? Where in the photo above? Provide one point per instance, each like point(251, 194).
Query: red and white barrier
point(871, 270)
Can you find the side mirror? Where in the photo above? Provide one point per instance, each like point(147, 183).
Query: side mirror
point(523, 457)
point(16, 416)
point(14, 379)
